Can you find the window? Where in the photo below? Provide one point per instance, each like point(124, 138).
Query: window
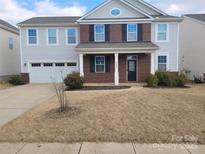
point(162, 32)
point(132, 32)
point(36, 64)
point(71, 36)
point(162, 63)
point(60, 64)
point(72, 64)
point(100, 64)
point(32, 37)
point(52, 36)
point(115, 12)
point(99, 33)
point(11, 43)
point(48, 64)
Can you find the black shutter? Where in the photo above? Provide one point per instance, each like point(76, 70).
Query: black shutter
point(92, 63)
point(124, 32)
point(140, 32)
point(107, 33)
point(91, 33)
point(107, 63)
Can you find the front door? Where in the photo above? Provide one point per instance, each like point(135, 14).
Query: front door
point(132, 70)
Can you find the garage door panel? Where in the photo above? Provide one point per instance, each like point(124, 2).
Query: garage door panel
point(50, 74)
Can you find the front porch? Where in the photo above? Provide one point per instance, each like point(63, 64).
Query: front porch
point(116, 62)
point(117, 68)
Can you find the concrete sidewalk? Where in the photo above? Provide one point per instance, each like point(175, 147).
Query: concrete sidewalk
point(101, 148)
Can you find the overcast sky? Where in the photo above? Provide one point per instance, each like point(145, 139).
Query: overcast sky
point(15, 11)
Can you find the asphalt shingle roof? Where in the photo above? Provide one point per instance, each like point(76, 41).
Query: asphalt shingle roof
point(120, 46)
point(200, 17)
point(49, 20)
point(6, 24)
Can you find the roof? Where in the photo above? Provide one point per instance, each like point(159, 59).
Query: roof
point(117, 46)
point(8, 26)
point(50, 20)
point(200, 17)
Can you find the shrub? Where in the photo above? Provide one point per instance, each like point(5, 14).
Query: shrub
point(15, 80)
point(152, 81)
point(198, 79)
point(73, 81)
point(181, 80)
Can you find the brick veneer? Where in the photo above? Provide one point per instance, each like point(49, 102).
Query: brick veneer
point(84, 33)
point(92, 77)
point(116, 33)
point(146, 32)
point(143, 69)
point(25, 77)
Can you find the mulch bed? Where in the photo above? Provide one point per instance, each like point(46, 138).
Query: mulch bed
point(105, 87)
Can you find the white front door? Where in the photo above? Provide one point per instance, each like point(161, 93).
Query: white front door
point(50, 72)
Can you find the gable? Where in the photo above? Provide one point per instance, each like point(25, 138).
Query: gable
point(127, 12)
point(146, 7)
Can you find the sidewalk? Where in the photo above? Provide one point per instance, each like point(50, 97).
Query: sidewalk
point(101, 148)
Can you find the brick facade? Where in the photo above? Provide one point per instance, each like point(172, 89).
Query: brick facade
point(143, 71)
point(25, 78)
point(115, 33)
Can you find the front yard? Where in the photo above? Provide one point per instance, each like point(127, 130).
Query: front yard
point(138, 114)
point(4, 85)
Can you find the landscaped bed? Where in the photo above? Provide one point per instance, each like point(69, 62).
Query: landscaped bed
point(4, 85)
point(138, 114)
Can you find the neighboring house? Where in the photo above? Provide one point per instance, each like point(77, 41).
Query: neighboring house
point(192, 45)
point(9, 50)
point(118, 41)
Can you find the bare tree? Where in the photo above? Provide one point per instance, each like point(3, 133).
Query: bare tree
point(61, 95)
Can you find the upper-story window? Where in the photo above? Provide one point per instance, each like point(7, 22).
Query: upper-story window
point(99, 33)
point(115, 12)
point(71, 36)
point(11, 43)
point(32, 36)
point(132, 32)
point(52, 36)
point(162, 32)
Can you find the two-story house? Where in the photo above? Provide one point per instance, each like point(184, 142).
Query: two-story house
point(118, 41)
point(9, 50)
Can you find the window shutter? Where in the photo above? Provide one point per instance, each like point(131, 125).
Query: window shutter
point(91, 33)
point(107, 63)
point(92, 63)
point(140, 32)
point(107, 33)
point(124, 32)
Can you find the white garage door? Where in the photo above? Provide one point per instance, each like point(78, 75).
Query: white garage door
point(50, 72)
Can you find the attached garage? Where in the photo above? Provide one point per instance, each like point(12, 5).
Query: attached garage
point(48, 72)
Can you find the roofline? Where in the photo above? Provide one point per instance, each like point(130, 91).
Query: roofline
point(50, 24)
point(154, 8)
point(168, 19)
point(194, 19)
point(9, 29)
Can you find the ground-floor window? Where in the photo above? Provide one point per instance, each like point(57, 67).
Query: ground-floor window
point(99, 64)
point(162, 63)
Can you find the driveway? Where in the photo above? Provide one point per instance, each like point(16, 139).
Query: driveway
point(15, 101)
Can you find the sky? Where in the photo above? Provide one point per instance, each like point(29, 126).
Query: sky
point(15, 11)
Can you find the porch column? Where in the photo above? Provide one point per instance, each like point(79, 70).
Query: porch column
point(81, 64)
point(152, 63)
point(116, 69)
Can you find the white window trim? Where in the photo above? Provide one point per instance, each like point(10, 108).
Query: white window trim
point(57, 36)
point(99, 64)
point(163, 54)
point(71, 44)
point(132, 32)
point(11, 44)
point(37, 42)
point(102, 33)
point(156, 32)
point(115, 15)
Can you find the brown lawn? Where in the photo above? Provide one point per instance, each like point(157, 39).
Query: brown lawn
point(138, 114)
point(4, 85)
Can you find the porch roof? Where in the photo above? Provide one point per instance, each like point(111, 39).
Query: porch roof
point(124, 46)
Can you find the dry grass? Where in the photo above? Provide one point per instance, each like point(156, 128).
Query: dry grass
point(5, 85)
point(138, 114)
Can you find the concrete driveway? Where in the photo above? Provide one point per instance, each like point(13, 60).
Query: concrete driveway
point(15, 101)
